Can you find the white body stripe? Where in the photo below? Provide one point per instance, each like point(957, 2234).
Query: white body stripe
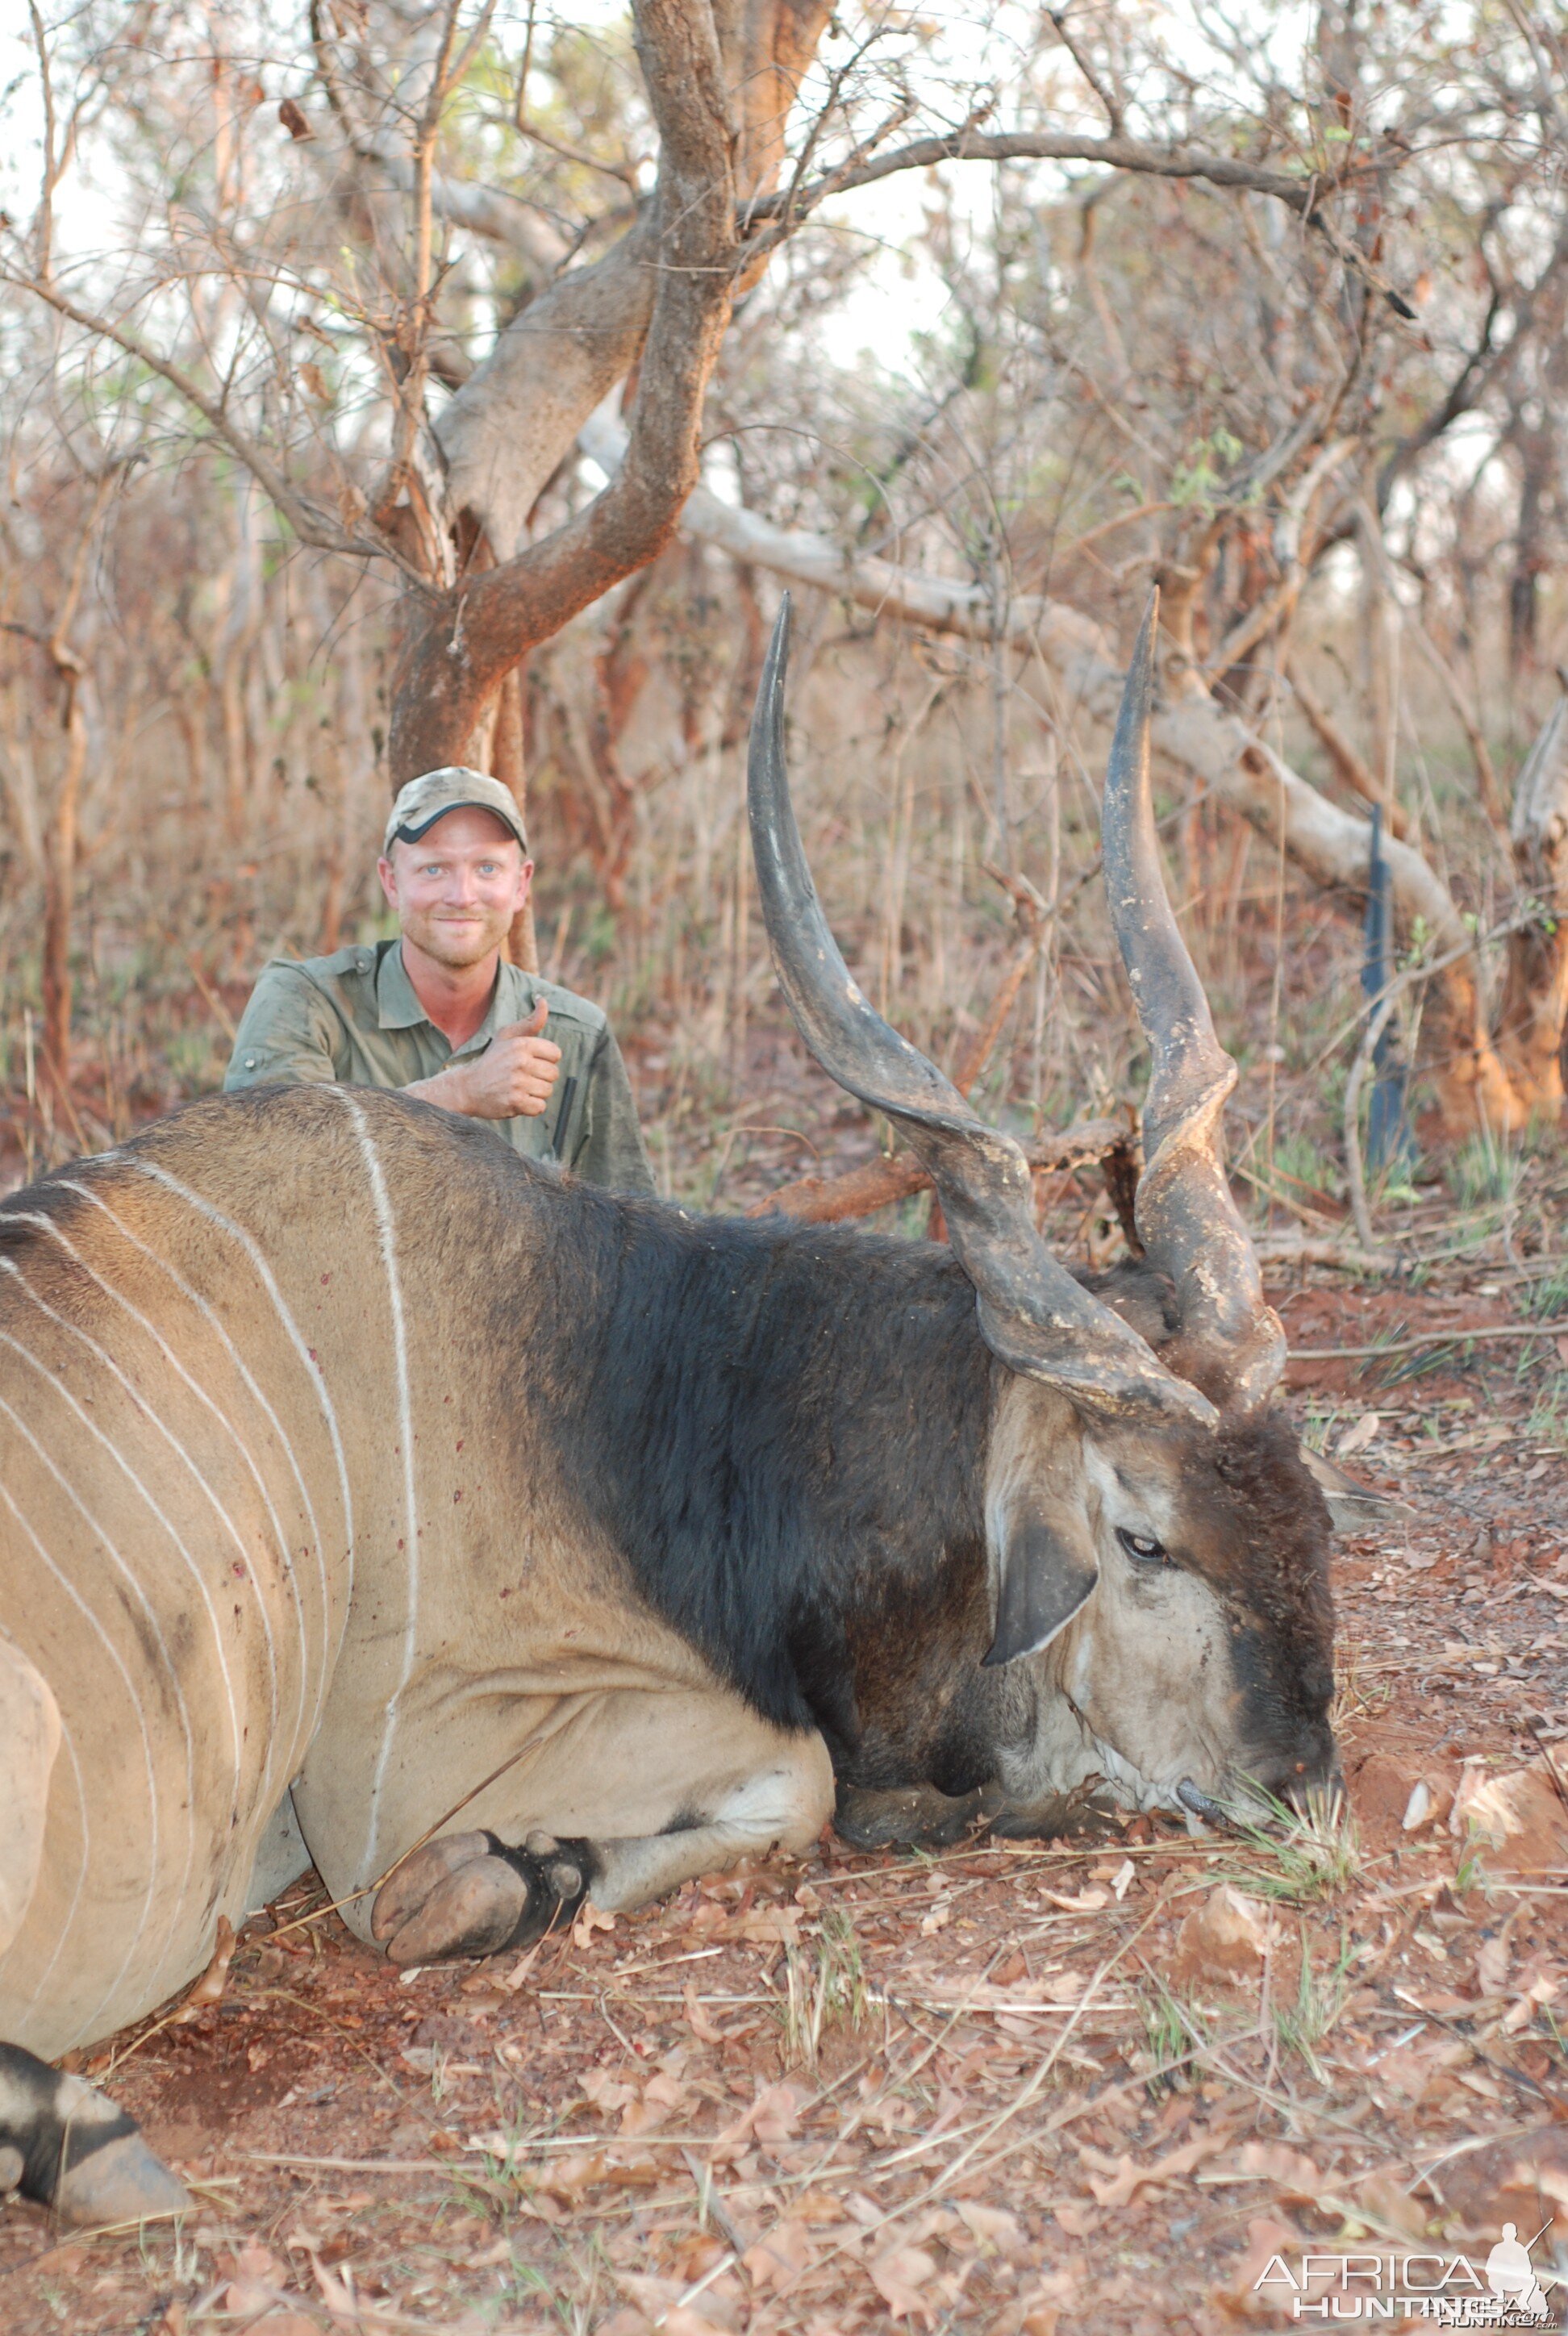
point(109, 1545)
point(134, 1700)
point(218, 1507)
point(285, 1555)
point(167, 1521)
point(313, 1370)
point(386, 1239)
point(195, 1299)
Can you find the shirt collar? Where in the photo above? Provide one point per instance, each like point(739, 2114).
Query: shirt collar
point(398, 1008)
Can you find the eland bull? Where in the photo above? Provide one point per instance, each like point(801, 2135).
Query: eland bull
point(517, 1542)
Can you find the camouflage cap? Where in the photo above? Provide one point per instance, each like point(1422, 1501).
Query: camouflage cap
point(430, 796)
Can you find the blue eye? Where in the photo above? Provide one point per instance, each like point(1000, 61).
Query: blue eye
point(1142, 1548)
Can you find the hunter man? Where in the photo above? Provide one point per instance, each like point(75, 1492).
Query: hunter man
point(439, 1013)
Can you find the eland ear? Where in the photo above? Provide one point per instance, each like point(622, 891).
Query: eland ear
point(1046, 1571)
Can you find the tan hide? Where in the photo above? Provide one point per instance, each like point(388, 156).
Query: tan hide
point(272, 1511)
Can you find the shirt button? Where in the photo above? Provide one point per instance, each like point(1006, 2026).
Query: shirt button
point(250, 1062)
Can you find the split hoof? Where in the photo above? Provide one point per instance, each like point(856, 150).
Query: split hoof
point(406, 1891)
point(67, 2146)
point(122, 2182)
point(473, 1911)
point(478, 1897)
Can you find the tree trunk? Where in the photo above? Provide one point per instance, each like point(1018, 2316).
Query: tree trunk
point(510, 425)
point(458, 644)
point(720, 83)
point(508, 763)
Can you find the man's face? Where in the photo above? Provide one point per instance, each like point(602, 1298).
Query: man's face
point(458, 888)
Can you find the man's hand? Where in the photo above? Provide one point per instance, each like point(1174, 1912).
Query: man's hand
point(512, 1079)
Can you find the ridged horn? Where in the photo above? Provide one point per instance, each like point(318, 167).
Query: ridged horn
point(1033, 1315)
point(1188, 1220)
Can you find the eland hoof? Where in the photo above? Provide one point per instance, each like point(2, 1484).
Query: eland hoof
point(414, 1880)
point(122, 2182)
point(915, 1816)
point(71, 2148)
point(1071, 1814)
point(469, 1894)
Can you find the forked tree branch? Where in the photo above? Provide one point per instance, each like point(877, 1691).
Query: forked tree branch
point(452, 666)
point(1108, 97)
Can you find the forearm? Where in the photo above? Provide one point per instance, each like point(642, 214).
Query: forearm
point(490, 1085)
point(450, 1090)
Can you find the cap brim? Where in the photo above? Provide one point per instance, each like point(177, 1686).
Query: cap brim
point(408, 833)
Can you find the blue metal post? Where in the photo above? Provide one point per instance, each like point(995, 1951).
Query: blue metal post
point(1387, 1129)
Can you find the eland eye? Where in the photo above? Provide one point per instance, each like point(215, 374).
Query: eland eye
point(1142, 1547)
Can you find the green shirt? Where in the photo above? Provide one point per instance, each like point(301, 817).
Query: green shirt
point(355, 1017)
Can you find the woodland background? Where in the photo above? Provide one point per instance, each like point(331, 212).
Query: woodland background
point(302, 311)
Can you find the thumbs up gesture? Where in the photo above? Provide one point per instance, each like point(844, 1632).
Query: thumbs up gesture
point(515, 1077)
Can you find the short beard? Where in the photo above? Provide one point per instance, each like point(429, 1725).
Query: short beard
point(453, 958)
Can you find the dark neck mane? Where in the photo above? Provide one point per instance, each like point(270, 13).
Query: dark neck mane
point(784, 1429)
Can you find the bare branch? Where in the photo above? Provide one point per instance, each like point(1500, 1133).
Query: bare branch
point(624, 173)
point(1481, 367)
point(1304, 196)
point(65, 658)
point(1069, 42)
point(1330, 845)
point(1350, 767)
point(470, 47)
point(501, 217)
point(491, 211)
point(306, 519)
point(414, 325)
point(1276, 608)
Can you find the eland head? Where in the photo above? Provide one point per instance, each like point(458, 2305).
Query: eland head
point(1160, 1551)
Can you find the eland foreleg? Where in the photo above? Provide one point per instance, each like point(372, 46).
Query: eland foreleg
point(61, 2142)
point(758, 1788)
